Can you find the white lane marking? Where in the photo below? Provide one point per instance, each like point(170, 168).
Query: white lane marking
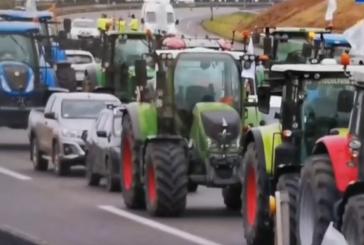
point(14, 174)
point(158, 226)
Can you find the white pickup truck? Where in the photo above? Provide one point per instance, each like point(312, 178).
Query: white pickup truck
point(55, 132)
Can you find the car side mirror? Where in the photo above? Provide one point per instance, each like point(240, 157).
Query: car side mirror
point(177, 22)
point(345, 101)
point(50, 115)
point(263, 94)
point(101, 133)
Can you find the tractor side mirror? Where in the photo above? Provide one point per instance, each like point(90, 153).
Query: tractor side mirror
point(267, 45)
point(67, 25)
point(345, 101)
point(256, 37)
point(307, 50)
point(142, 21)
point(177, 22)
point(263, 94)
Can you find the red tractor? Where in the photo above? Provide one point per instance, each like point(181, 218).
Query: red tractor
point(332, 179)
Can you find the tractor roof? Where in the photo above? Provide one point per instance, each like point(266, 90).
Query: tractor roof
point(314, 68)
point(18, 27)
point(234, 54)
point(298, 29)
point(26, 14)
point(333, 39)
point(129, 33)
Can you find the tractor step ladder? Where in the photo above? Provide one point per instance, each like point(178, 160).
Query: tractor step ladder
point(282, 218)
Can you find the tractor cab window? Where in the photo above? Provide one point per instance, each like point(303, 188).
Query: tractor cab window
point(205, 77)
point(291, 51)
point(127, 51)
point(320, 106)
point(16, 47)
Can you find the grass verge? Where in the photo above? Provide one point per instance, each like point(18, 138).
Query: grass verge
point(224, 25)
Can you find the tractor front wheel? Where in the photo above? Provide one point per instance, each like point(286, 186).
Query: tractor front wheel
point(166, 180)
point(290, 183)
point(255, 200)
point(353, 221)
point(316, 198)
point(132, 188)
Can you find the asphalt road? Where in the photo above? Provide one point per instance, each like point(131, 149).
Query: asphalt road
point(64, 211)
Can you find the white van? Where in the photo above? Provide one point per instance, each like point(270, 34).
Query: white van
point(159, 15)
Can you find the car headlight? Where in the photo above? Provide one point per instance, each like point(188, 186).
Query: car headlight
point(69, 133)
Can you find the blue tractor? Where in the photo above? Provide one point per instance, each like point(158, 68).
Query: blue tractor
point(330, 45)
point(26, 79)
point(54, 53)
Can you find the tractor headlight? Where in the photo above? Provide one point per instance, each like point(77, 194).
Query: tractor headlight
point(208, 143)
point(355, 145)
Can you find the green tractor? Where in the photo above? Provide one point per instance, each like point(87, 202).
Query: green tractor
point(273, 154)
point(285, 45)
point(117, 72)
point(185, 129)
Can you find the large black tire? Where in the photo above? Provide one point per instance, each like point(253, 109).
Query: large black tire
point(39, 164)
point(232, 197)
point(166, 179)
point(353, 221)
point(290, 184)
point(317, 196)
point(257, 221)
point(132, 188)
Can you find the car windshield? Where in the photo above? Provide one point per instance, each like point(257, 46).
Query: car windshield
point(16, 47)
point(320, 106)
point(170, 18)
point(206, 77)
point(79, 58)
point(130, 50)
point(84, 24)
point(117, 126)
point(292, 50)
point(87, 109)
point(151, 17)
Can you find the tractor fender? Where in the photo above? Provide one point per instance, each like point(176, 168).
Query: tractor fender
point(143, 117)
point(255, 135)
point(338, 150)
point(353, 189)
point(267, 138)
point(253, 117)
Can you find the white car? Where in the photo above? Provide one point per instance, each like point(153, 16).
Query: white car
point(84, 27)
point(80, 60)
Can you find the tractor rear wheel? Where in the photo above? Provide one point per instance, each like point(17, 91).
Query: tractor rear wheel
point(353, 221)
point(166, 180)
point(255, 200)
point(290, 183)
point(316, 198)
point(132, 188)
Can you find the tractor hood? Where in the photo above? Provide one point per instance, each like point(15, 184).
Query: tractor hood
point(150, 72)
point(220, 121)
point(16, 77)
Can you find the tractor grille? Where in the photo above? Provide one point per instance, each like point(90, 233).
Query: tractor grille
point(16, 77)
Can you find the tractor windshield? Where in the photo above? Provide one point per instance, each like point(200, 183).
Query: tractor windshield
point(320, 106)
point(127, 51)
point(291, 50)
point(206, 77)
point(16, 47)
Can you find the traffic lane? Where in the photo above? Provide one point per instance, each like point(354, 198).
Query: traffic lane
point(61, 219)
point(205, 217)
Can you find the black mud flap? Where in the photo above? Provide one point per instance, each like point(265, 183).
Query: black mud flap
point(104, 90)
